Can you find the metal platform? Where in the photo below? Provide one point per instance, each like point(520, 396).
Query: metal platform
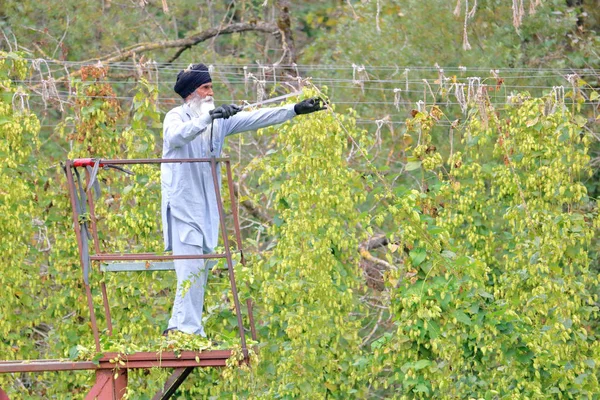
point(146, 266)
point(111, 377)
point(209, 358)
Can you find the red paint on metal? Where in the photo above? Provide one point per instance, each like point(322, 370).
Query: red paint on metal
point(102, 380)
point(109, 385)
point(209, 358)
point(73, 198)
point(238, 237)
point(184, 355)
point(94, 231)
point(85, 162)
point(251, 318)
point(234, 292)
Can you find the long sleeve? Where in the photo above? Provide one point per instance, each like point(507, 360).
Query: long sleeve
point(252, 120)
point(177, 133)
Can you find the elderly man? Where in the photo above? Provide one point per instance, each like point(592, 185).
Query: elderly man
point(190, 217)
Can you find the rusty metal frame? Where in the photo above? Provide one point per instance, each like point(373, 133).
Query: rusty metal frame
point(183, 362)
point(99, 256)
point(210, 358)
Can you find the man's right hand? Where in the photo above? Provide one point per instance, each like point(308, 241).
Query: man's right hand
point(225, 111)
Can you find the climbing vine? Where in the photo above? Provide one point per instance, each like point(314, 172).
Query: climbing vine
point(512, 309)
point(485, 284)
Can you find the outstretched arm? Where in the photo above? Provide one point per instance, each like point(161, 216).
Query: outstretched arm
point(252, 120)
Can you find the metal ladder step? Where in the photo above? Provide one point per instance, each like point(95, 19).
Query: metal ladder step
point(137, 266)
point(146, 266)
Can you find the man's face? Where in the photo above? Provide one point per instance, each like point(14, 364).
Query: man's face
point(201, 100)
point(205, 90)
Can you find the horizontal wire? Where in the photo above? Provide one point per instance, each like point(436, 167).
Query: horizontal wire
point(170, 100)
point(501, 72)
point(133, 65)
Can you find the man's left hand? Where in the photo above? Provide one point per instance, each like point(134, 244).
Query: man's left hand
point(310, 105)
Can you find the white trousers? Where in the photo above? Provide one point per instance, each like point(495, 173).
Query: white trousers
point(192, 277)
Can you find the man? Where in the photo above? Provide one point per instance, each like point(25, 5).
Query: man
point(190, 215)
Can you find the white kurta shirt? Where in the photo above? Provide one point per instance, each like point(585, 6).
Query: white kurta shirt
point(188, 192)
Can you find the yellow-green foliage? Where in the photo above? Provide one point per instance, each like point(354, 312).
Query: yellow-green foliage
point(508, 311)
point(23, 235)
point(308, 281)
point(488, 292)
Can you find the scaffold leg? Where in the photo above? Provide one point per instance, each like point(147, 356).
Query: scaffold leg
point(107, 386)
point(174, 381)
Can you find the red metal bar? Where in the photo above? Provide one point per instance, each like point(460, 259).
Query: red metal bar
point(150, 256)
point(90, 301)
point(108, 387)
point(93, 226)
point(238, 236)
point(71, 184)
point(165, 356)
point(102, 380)
point(106, 307)
point(210, 358)
point(236, 300)
point(234, 211)
point(94, 229)
point(251, 318)
point(170, 364)
point(43, 365)
point(84, 162)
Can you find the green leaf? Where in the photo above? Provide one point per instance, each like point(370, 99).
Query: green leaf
point(74, 353)
point(580, 120)
point(278, 221)
point(426, 266)
point(433, 328)
point(581, 378)
point(97, 357)
point(421, 388)
point(421, 364)
point(534, 258)
point(434, 230)
point(462, 317)
point(413, 165)
point(485, 295)
point(417, 256)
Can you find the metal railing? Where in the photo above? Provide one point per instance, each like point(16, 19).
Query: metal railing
point(86, 230)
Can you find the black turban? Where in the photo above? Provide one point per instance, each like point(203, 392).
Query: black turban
point(191, 79)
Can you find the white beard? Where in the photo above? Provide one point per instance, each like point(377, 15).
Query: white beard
point(201, 105)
